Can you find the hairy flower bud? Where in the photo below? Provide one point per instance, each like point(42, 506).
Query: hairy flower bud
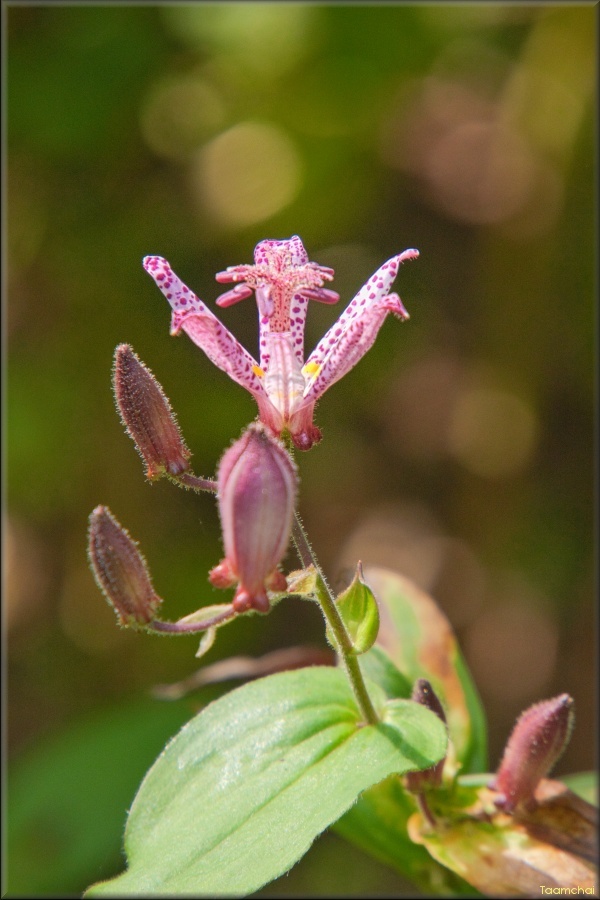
point(257, 485)
point(120, 570)
point(538, 739)
point(147, 416)
point(424, 694)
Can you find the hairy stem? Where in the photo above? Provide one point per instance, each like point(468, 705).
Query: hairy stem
point(189, 480)
point(334, 620)
point(183, 627)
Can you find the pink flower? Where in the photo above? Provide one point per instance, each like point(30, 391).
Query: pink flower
point(284, 385)
point(256, 489)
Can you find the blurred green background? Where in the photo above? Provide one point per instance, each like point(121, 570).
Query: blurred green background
point(459, 451)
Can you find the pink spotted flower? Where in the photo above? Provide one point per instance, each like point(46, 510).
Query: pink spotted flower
point(285, 386)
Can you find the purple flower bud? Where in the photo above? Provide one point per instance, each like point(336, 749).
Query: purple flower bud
point(120, 570)
point(424, 694)
point(257, 484)
point(539, 737)
point(147, 416)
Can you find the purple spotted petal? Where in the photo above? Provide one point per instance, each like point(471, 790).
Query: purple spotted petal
point(353, 334)
point(297, 321)
point(290, 252)
point(191, 315)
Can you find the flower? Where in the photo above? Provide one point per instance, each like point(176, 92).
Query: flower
point(284, 385)
point(120, 570)
point(257, 484)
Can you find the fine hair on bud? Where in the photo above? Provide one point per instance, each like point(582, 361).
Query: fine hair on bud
point(147, 415)
point(537, 741)
point(120, 570)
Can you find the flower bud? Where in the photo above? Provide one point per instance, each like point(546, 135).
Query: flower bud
point(424, 694)
point(148, 417)
point(257, 484)
point(358, 608)
point(120, 570)
point(538, 739)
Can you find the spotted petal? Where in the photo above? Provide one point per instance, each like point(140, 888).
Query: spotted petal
point(191, 315)
point(355, 331)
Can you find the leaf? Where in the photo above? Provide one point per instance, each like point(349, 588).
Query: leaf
point(242, 791)
point(358, 609)
point(205, 613)
point(303, 582)
point(377, 824)
point(415, 640)
point(420, 642)
point(377, 666)
point(584, 784)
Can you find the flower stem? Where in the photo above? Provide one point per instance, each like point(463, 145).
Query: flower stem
point(183, 627)
point(189, 480)
point(336, 624)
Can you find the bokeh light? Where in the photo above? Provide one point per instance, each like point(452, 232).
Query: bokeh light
point(492, 431)
point(247, 174)
point(179, 115)
point(266, 39)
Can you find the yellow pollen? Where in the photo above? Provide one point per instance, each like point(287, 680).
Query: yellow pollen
point(311, 369)
point(258, 371)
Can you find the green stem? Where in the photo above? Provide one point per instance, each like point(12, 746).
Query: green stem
point(332, 615)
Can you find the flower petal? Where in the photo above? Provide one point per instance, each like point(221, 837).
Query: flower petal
point(298, 310)
point(191, 315)
point(283, 381)
point(353, 334)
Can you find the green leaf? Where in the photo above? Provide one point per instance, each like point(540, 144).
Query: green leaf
point(584, 784)
point(304, 582)
point(415, 641)
point(205, 613)
point(377, 824)
point(243, 790)
point(358, 609)
point(378, 667)
point(419, 640)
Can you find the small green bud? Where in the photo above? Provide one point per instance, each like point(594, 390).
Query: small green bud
point(358, 608)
